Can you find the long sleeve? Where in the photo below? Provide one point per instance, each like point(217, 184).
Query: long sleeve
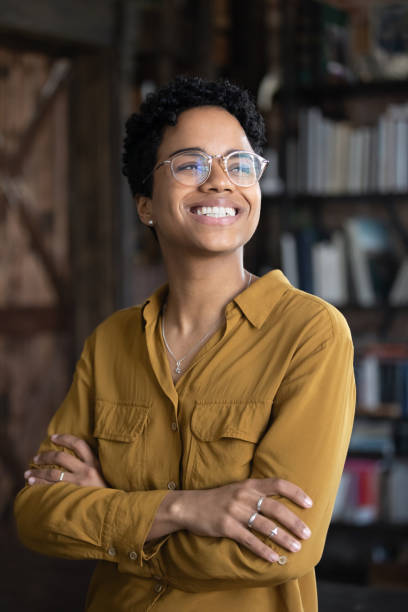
point(85, 522)
point(306, 444)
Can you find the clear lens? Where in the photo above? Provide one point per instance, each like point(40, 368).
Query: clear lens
point(193, 168)
point(190, 168)
point(243, 168)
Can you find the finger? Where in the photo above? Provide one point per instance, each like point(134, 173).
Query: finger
point(60, 458)
point(279, 535)
point(279, 486)
point(50, 476)
point(79, 446)
point(249, 540)
point(271, 508)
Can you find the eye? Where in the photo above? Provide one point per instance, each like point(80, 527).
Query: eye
point(190, 164)
point(188, 167)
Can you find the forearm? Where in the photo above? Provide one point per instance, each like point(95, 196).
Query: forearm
point(86, 522)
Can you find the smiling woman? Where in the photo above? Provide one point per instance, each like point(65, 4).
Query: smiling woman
point(201, 424)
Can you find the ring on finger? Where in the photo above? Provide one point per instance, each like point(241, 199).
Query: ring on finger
point(252, 519)
point(273, 533)
point(61, 477)
point(259, 504)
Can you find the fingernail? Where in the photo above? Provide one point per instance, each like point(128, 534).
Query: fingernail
point(308, 501)
point(306, 532)
point(36, 458)
point(54, 437)
point(27, 474)
point(295, 546)
point(273, 557)
point(31, 480)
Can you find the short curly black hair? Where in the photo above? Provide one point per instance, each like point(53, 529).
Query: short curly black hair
point(144, 130)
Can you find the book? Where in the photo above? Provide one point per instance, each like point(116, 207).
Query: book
point(329, 270)
point(373, 261)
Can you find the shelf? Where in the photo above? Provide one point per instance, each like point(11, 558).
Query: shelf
point(342, 90)
point(346, 198)
point(376, 526)
point(391, 412)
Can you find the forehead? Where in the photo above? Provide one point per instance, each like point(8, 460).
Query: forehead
point(208, 127)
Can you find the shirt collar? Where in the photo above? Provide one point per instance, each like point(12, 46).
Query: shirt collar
point(255, 303)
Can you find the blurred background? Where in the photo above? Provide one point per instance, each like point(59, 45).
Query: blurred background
point(331, 79)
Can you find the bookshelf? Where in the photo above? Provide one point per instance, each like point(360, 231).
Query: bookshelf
point(345, 113)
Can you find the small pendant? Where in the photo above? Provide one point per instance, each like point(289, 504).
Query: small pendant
point(178, 368)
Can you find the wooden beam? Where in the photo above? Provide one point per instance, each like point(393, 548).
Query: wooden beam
point(56, 80)
point(28, 321)
point(12, 194)
point(76, 21)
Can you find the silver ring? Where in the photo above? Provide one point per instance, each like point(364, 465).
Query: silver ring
point(251, 519)
point(274, 532)
point(259, 504)
point(61, 476)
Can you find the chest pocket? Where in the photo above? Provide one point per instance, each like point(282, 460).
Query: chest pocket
point(120, 429)
point(225, 435)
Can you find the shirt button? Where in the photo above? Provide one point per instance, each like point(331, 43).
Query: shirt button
point(172, 485)
point(133, 555)
point(174, 426)
point(158, 588)
point(112, 551)
point(282, 560)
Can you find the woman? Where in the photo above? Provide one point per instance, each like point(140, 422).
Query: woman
point(218, 409)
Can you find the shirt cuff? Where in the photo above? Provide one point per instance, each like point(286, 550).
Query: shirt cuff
point(127, 523)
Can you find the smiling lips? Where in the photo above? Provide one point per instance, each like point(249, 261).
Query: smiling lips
point(217, 212)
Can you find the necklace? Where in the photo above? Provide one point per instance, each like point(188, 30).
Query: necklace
point(178, 368)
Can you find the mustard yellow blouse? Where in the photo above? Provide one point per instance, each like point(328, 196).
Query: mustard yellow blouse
point(271, 394)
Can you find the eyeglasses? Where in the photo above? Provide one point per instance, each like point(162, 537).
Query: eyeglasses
point(192, 168)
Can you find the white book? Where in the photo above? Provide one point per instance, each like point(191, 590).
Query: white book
point(373, 162)
point(356, 161)
point(399, 291)
point(365, 168)
point(312, 153)
point(360, 271)
point(401, 161)
point(329, 270)
point(302, 153)
point(382, 161)
point(289, 258)
point(369, 383)
point(291, 166)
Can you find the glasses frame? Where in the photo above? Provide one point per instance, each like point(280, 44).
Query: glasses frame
point(224, 158)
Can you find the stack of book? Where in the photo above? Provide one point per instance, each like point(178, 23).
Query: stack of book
point(337, 158)
point(382, 380)
point(358, 499)
point(359, 263)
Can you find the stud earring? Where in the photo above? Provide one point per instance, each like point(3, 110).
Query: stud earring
point(150, 222)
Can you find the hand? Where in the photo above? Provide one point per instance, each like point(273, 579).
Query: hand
point(225, 511)
point(83, 469)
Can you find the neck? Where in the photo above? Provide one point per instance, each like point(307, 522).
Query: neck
point(199, 289)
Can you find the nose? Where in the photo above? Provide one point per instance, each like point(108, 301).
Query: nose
point(218, 180)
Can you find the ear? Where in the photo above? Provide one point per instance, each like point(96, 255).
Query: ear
point(144, 209)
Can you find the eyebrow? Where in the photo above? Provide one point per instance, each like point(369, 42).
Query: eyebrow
point(199, 149)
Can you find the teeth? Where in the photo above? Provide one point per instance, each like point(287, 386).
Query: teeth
point(215, 211)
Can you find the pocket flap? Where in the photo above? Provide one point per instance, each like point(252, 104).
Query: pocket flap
point(244, 420)
point(120, 421)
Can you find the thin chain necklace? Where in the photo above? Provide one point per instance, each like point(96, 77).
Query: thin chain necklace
point(178, 368)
